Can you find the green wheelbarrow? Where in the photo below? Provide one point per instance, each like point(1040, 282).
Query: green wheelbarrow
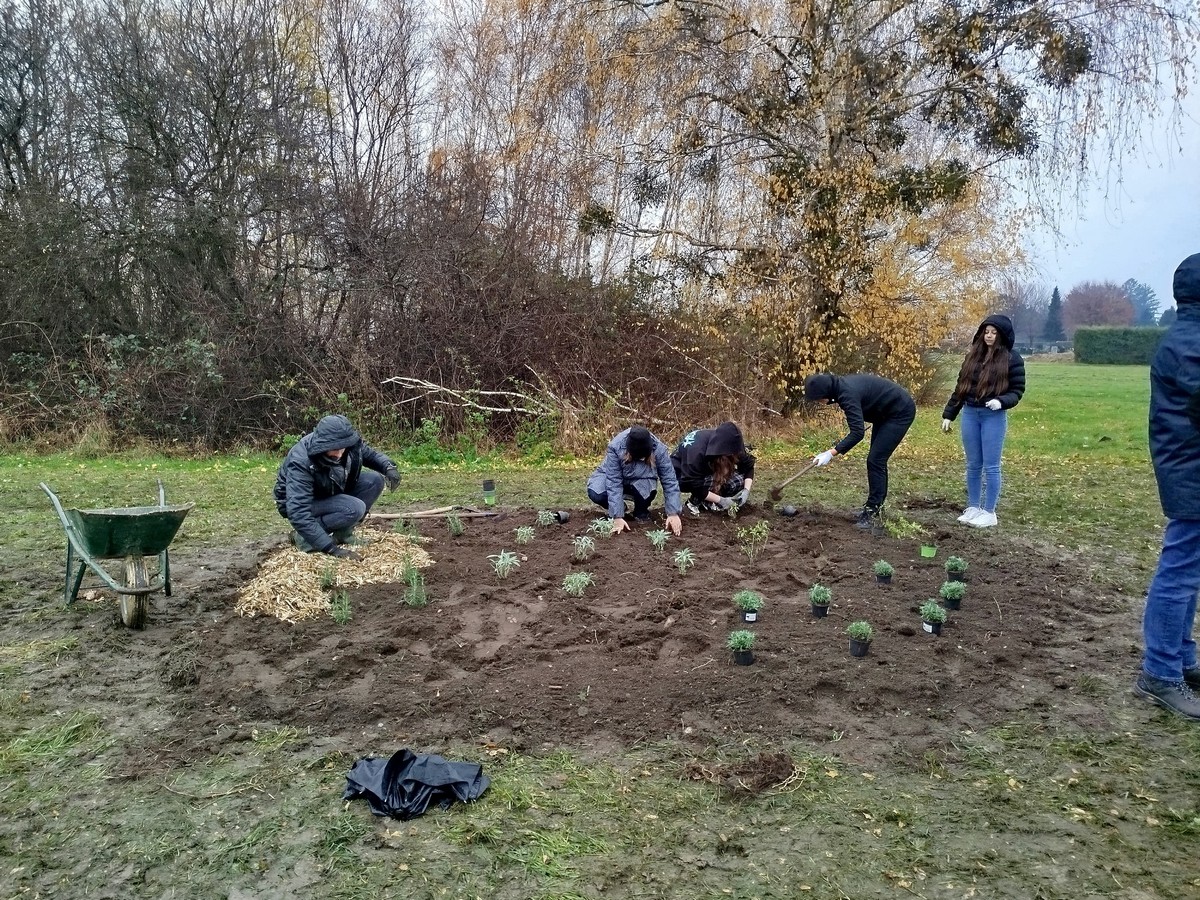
point(132, 534)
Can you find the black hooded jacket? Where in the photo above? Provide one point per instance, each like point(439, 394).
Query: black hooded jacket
point(1174, 386)
point(693, 457)
point(307, 474)
point(1016, 372)
point(863, 398)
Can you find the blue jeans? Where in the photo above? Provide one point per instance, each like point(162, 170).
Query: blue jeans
point(983, 440)
point(1171, 603)
point(343, 511)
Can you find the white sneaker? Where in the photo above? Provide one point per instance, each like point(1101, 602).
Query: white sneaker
point(983, 520)
point(969, 513)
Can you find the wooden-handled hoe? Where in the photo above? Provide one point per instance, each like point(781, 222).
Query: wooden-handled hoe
point(777, 491)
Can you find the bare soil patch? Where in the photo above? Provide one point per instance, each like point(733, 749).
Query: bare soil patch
point(641, 657)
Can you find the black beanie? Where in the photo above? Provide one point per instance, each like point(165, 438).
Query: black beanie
point(639, 444)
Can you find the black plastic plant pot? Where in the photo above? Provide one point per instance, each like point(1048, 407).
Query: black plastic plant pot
point(749, 615)
point(562, 516)
point(956, 576)
point(859, 648)
point(932, 627)
point(884, 579)
point(489, 493)
point(952, 604)
point(788, 510)
point(820, 610)
point(743, 657)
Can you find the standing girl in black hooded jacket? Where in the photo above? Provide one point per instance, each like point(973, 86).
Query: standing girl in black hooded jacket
point(990, 382)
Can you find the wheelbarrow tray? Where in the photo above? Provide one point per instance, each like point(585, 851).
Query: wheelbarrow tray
point(132, 531)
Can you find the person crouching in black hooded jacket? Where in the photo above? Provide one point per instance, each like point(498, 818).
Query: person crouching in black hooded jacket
point(326, 486)
point(714, 465)
point(866, 398)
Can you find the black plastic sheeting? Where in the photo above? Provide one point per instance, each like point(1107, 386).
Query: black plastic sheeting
point(404, 786)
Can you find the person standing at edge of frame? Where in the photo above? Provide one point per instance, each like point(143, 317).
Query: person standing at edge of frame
point(990, 382)
point(633, 464)
point(866, 398)
point(1169, 675)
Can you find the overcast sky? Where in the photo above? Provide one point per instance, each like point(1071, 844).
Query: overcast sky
point(1141, 228)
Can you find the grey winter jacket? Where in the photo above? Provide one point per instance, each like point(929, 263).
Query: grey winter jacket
point(1016, 372)
point(307, 475)
point(614, 476)
point(1174, 384)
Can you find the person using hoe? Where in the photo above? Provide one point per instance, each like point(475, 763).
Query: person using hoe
point(714, 465)
point(327, 484)
point(1170, 676)
point(866, 398)
point(990, 382)
point(633, 465)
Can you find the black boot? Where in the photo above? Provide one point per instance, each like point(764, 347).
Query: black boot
point(869, 519)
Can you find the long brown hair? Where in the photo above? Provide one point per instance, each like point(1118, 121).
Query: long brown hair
point(986, 366)
point(722, 468)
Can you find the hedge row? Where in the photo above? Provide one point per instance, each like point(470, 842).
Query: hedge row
point(1117, 346)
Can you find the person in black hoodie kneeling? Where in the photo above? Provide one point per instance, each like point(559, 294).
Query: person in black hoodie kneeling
point(714, 465)
point(866, 398)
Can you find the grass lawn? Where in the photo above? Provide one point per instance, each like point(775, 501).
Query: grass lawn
point(1031, 809)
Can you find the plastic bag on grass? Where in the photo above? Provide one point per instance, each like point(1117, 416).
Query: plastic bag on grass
point(405, 785)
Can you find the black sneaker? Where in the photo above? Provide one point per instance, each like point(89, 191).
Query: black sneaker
point(869, 518)
point(641, 518)
point(691, 508)
point(1176, 696)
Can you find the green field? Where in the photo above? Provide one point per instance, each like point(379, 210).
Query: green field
point(1035, 808)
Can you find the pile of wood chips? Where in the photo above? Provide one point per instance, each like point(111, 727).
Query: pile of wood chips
point(288, 583)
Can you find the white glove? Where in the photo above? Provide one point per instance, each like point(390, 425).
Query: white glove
point(743, 497)
point(823, 458)
point(725, 502)
point(945, 425)
point(993, 405)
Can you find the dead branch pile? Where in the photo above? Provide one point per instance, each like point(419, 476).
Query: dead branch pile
point(289, 584)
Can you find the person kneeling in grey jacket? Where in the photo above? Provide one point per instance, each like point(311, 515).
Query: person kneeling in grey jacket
point(634, 463)
point(328, 483)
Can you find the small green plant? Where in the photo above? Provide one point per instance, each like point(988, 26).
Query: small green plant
point(740, 640)
point(860, 631)
point(732, 510)
point(658, 538)
point(602, 526)
point(328, 578)
point(753, 538)
point(505, 563)
point(932, 612)
point(414, 588)
point(956, 565)
point(456, 526)
point(406, 527)
point(577, 582)
point(525, 534)
point(819, 595)
point(339, 607)
point(545, 517)
point(684, 559)
point(952, 590)
point(883, 568)
point(748, 601)
point(900, 527)
point(584, 546)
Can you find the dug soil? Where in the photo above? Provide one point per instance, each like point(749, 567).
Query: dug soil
point(641, 657)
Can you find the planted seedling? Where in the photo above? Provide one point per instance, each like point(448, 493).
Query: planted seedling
point(577, 582)
point(339, 607)
point(545, 517)
point(658, 538)
point(684, 559)
point(753, 538)
point(932, 612)
point(819, 595)
point(860, 631)
point(414, 588)
point(740, 640)
point(883, 569)
point(602, 526)
point(505, 563)
point(584, 545)
point(456, 526)
point(956, 565)
point(328, 577)
point(525, 534)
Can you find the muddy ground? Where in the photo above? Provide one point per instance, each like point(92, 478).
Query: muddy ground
point(639, 658)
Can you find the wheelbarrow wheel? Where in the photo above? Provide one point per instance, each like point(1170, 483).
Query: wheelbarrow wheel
point(134, 606)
